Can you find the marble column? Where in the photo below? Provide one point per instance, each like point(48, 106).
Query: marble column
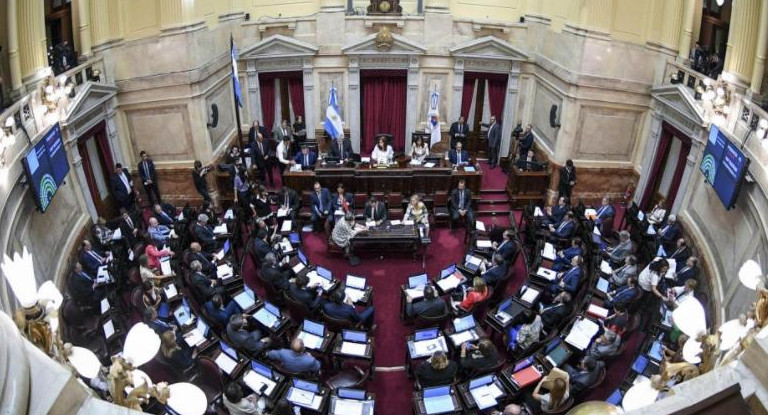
point(742, 39)
point(31, 31)
point(84, 17)
point(254, 94)
point(105, 22)
point(353, 118)
point(509, 119)
point(176, 13)
point(13, 45)
point(760, 50)
point(458, 89)
point(329, 6)
point(686, 34)
point(437, 6)
point(310, 119)
point(670, 30)
point(411, 100)
point(650, 153)
point(596, 15)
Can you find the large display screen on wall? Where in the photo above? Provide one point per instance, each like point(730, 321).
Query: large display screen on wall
point(46, 166)
point(724, 166)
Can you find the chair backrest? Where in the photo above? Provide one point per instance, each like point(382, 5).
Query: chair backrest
point(336, 325)
point(209, 379)
point(441, 198)
point(134, 276)
point(395, 200)
point(298, 310)
point(421, 322)
point(360, 199)
point(136, 299)
point(273, 295)
point(491, 369)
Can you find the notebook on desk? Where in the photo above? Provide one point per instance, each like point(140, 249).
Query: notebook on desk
point(182, 314)
point(485, 391)
point(527, 376)
point(558, 355)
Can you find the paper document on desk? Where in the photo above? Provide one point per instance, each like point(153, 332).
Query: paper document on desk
point(530, 295)
point(462, 337)
point(256, 381)
point(438, 404)
point(415, 293)
point(479, 225)
point(286, 226)
point(651, 230)
point(473, 260)
point(485, 396)
point(314, 279)
point(548, 252)
point(450, 282)
point(282, 212)
point(285, 246)
point(596, 231)
point(225, 363)
point(394, 222)
point(640, 215)
point(220, 230)
point(546, 273)
point(354, 295)
point(170, 291)
point(165, 266)
point(370, 224)
point(105, 306)
point(229, 214)
point(102, 275)
point(305, 398)
point(298, 268)
point(482, 243)
point(194, 338)
point(537, 212)
point(117, 234)
point(348, 407)
point(428, 347)
point(310, 340)
point(225, 271)
point(581, 333)
point(597, 311)
point(605, 268)
point(408, 222)
point(429, 164)
point(354, 349)
point(109, 329)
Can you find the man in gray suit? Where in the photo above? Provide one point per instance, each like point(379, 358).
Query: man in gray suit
point(284, 130)
point(494, 141)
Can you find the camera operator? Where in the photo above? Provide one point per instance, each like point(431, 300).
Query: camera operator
point(198, 177)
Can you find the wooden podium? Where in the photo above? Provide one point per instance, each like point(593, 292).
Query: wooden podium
point(526, 186)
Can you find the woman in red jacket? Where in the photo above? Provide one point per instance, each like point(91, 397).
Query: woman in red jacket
point(478, 293)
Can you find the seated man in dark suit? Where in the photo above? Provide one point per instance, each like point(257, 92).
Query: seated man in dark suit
point(273, 274)
point(128, 228)
point(568, 280)
point(527, 162)
point(480, 358)
point(341, 149)
point(458, 156)
point(81, 287)
point(461, 205)
point(605, 211)
point(622, 296)
point(680, 254)
point(220, 313)
point(320, 200)
point(689, 271)
point(202, 285)
point(252, 341)
point(341, 308)
point(306, 158)
point(668, 234)
point(585, 375)
point(289, 201)
point(204, 234)
point(565, 229)
point(296, 359)
point(431, 306)
point(90, 259)
point(559, 310)
point(496, 272)
point(375, 211)
point(162, 216)
point(300, 292)
point(508, 246)
point(150, 318)
point(205, 258)
point(556, 213)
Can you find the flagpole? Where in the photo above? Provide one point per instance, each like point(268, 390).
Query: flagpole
point(237, 107)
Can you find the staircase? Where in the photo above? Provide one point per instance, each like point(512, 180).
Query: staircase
point(493, 207)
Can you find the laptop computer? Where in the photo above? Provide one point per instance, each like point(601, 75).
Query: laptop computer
point(164, 310)
point(656, 351)
point(224, 250)
point(304, 393)
point(472, 263)
point(246, 299)
point(615, 398)
point(351, 402)
point(354, 336)
point(438, 400)
point(427, 334)
point(182, 314)
point(481, 381)
point(508, 310)
point(228, 359)
point(269, 315)
point(198, 335)
point(416, 281)
point(355, 282)
point(464, 323)
point(324, 273)
point(448, 271)
point(260, 379)
point(312, 334)
point(558, 355)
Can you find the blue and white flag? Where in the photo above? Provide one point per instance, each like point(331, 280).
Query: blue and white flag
point(235, 81)
point(433, 123)
point(332, 118)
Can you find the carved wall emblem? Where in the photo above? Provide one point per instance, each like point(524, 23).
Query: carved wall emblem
point(384, 39)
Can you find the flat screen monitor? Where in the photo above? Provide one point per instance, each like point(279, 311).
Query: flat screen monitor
point(315, 328)
point(723, 166)
point(46, 166)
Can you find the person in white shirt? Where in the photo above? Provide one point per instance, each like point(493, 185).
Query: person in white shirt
point(658, 213)
point(419, 150)
point(382, 153)
point(676, 295)
point(649, 278)
point(237, 404)
point(283, 154)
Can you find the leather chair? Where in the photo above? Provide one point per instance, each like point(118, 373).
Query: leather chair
point(270, 292)
point(350, 377)
point(491, 369)
point(334, 249)
point(360, 199)
point(298, 310)
point(336, 325)
point(563, 408)
point(422, 322)
point(441, 214)
point(209, 379)
point(305, 213)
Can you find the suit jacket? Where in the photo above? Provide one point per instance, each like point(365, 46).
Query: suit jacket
point(526, 142)
point(90, 263)
point(479, 363)
point(261, 248)
point(118, 187)
point(275, 276)
point(294, 362)
point(252, 134)
point(494, 134)
point(552, 316)
point(458, 129)
point(322, 203)
point(621, 251)
point(205, 236)
point(686, 273)
point(558, 213)
point(428, 376)
point(293, 198)
point(201, 284)
point(164, 218)
point(583, 380)
point(522, 163)
point(278, 133)
point(456, 195)
point(668, 234)
point(159, 326)
point(426, 308)
point(565, 177)
point(258, 157)
point(680, 257)
point(341, 312)
point(81, 285)
point(604, 212)
point(565, 229)
point(571, 280)
point(453, 156)
point(347, 196)
point(623, 295)
point(147, 171)
point(299, 159)
point(507, 250)
point(344, 153)
point(495, 274)
point(205, 261)
point(307, 296)
point(127, 230)
point(380, 213)
point(248, 340)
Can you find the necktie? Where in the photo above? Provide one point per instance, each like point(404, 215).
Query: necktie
point(306, 160)
point(600, 211)
point(560, 228)
point(341, 149)
point(461, 200)
point(286, 200)
point(146, 170)
point(458, 157)
point(319, 201)
point(261, 149)
point(130, 222)
point(86, 276)
point(373, 211)
point(95, 255)
point(664, 231)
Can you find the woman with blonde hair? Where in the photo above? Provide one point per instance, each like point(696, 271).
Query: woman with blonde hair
point(439, 370)
point(176, 357)
point(417, 212)
point(557, 395)
point(478, 293)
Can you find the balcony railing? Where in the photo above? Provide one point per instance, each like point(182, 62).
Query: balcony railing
point(677, 73)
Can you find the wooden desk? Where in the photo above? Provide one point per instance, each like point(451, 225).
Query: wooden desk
point(526, 186)
point(366, 179)
point(387, 238)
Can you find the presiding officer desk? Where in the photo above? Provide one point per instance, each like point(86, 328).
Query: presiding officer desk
point(364, 178)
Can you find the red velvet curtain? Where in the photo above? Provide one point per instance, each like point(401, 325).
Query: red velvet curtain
point(88, 170)
point(267, 87)
point(496, 93)
point(296, 92)
point(104, 150)
point(466, 95)
point(682, 160)
point(384, 107)
point(656, 170)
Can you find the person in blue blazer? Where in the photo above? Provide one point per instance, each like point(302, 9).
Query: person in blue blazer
point(458, 156)
point(565, 229)
point(340, 308)
point(568, 280)
point(564, 257)
point(341, 201)
point(556, 213)
point(321, 203)
point(496, 272)
point(91, 259)
point(122, 187)
point(605, 211)
point(306, 158)
point(623, 295)
point(508, 246)
point(689, 271)
point(219, 312)
point(668, 234)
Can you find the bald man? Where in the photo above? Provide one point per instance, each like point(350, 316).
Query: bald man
point(296, 359)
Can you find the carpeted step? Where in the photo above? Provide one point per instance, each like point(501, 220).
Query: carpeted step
point(497, 208)
point(492, 191)
point(491, 199)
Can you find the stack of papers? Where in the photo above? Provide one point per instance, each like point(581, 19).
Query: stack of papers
point(479, 225)
point(537, 212)
point(582, 332)
point(314, 279)
point(450, 282)
point(165, 266)
point(354, 294)
point(530, 295)
point(225, 271)
point(220, 230)
point(548, 252)
point(428, 347)
point(415, 293)
point(287, 226)
point(605, 268)
point(546, 273)
point(229, 214)
point(485, 396)
point(354, 349)
point(481, 243)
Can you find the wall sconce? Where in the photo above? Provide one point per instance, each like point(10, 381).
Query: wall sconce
point(55, 90)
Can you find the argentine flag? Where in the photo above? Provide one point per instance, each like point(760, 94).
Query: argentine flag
point(332, 118)
point(235, 81)
point(433, 121)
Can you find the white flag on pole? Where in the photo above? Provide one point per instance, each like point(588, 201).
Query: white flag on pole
point(433, 123)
